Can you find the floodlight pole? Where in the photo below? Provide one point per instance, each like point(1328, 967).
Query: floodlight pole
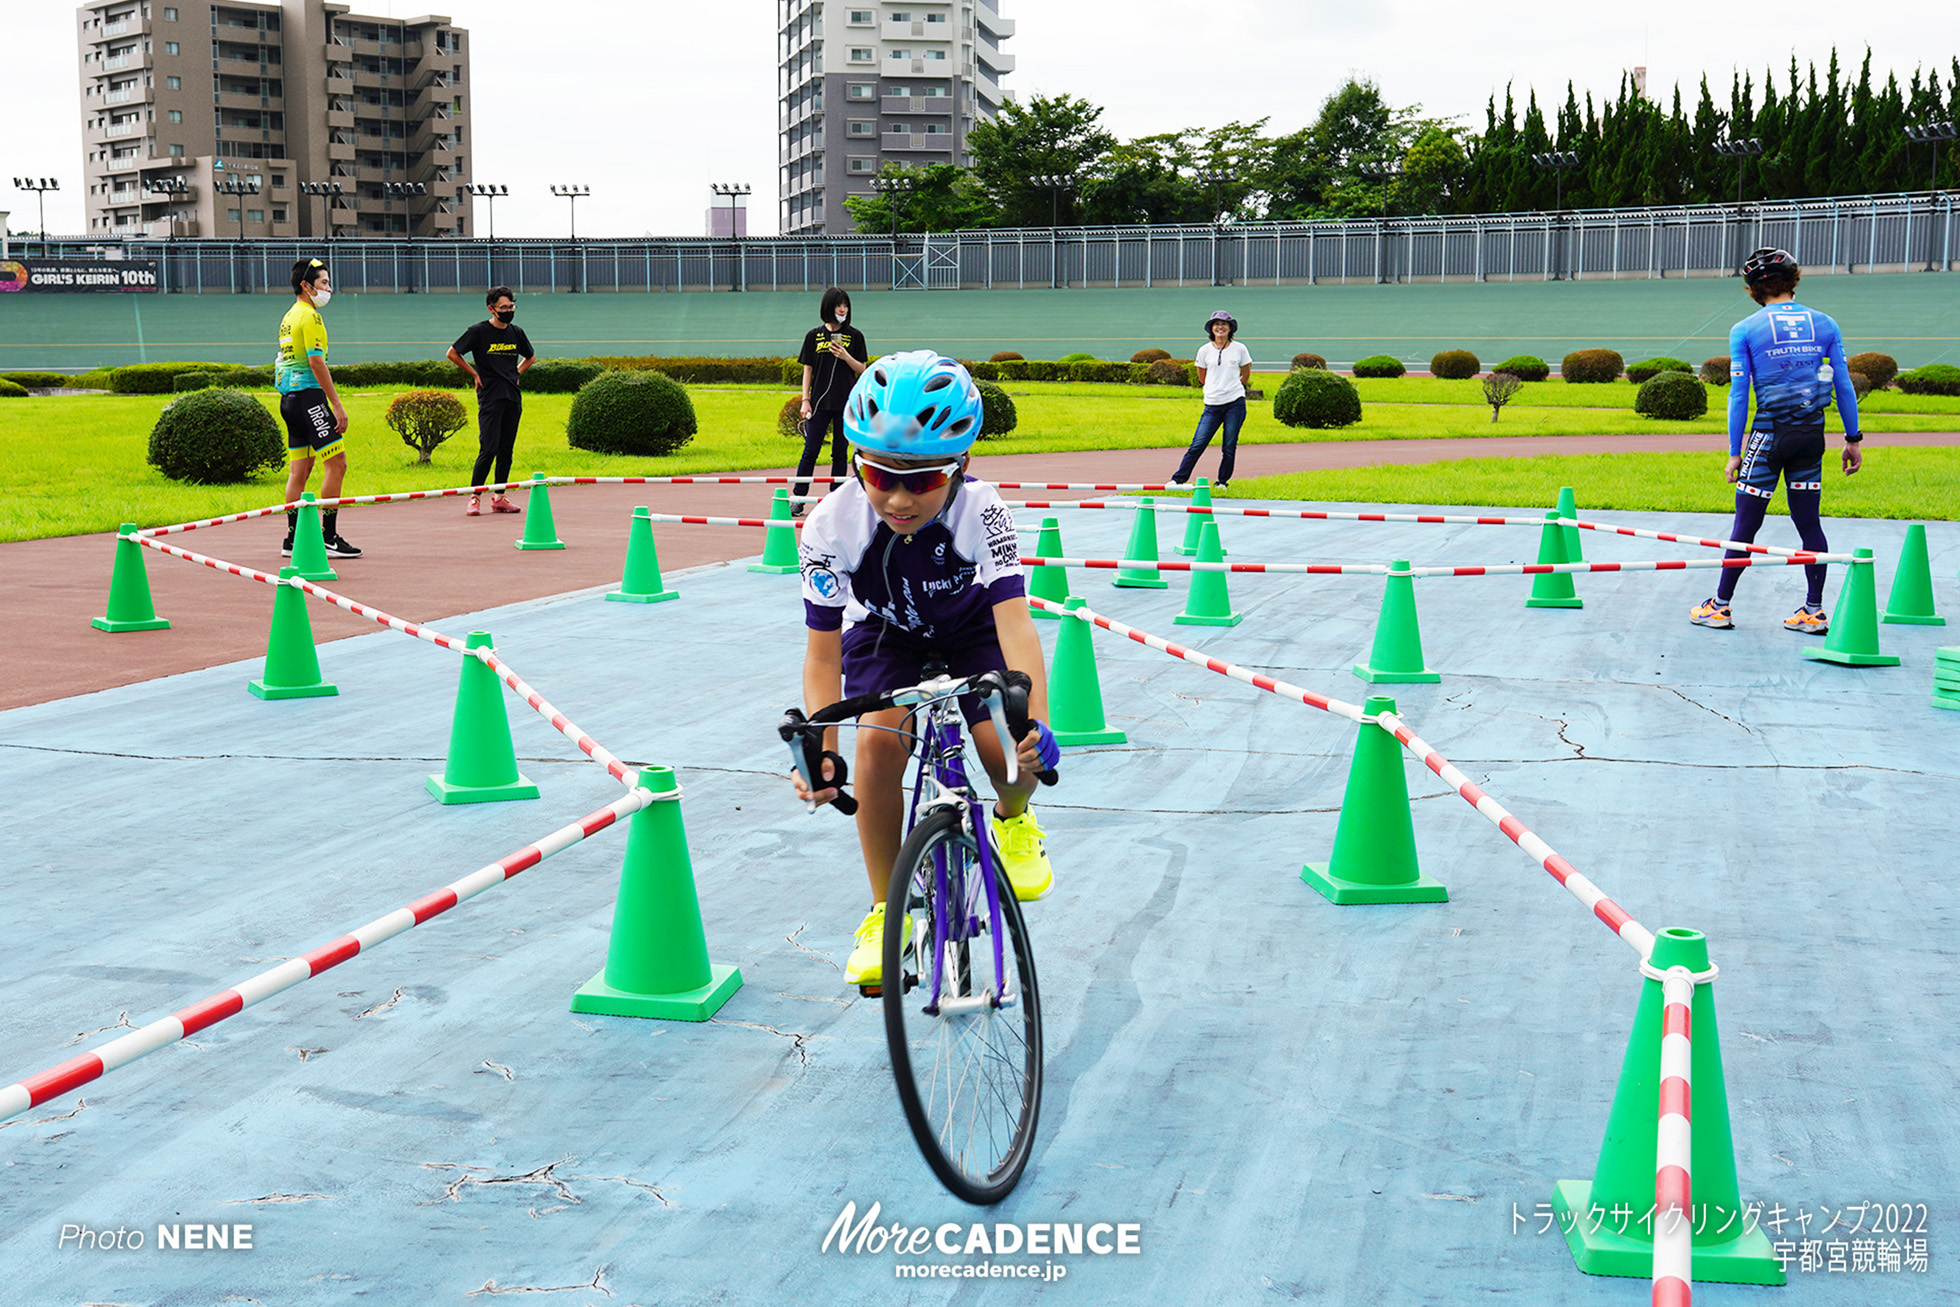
point(1218, 180)
point(40, 186)
point(732, 190)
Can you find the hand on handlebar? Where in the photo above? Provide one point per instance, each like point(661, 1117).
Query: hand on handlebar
point(808, 795)
point(1037, 751)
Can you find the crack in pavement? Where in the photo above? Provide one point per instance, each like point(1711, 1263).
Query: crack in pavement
point(493, 1288)
point(653, 1189)
point(122, 1023)
point(498, 1067)
point(802, 1052)
point(1697, 703)
point(304, 1053)
point(541, 1176)
point(380, 1007)
point(1566, 740)
point(81, 1105)
point(801, 948)
point(277, 1198)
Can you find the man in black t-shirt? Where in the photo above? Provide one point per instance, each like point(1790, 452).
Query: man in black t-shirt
point(503, 353)
point(834, 354)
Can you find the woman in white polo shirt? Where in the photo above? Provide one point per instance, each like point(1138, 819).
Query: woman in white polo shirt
point(1225, 367)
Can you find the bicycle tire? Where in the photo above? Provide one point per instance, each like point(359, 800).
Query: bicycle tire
point(996, 1052)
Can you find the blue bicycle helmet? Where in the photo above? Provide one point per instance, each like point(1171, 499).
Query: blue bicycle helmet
point(917, 404)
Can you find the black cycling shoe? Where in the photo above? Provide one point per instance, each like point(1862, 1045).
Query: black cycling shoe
point(337, 547)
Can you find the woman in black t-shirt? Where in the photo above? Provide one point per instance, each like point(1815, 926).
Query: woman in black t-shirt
point(833, 355)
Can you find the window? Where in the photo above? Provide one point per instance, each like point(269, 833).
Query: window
point(900, 16)
point(861, 91)
point(279, 215)
point(863, 127)
point(935, 54)
point(231, 215)
point(935, 90)
point(255, 215)
point(860, 164)
point(169, 15)
point(176, 115)
point(861, 18)
point(176, 151)
point(935, 18)
point(901, 54)
point(170, 47)
point(935, 127)
point(896, 90)
point(860, 54)
point(174, 83)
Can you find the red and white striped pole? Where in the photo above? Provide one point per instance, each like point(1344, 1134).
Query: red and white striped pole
point(1674, 1153)
point(98, 1062)
point(1482, 569)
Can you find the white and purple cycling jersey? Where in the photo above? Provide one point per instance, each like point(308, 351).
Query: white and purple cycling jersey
point(939, 584)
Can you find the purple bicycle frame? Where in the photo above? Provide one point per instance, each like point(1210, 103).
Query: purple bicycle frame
point(944, 749)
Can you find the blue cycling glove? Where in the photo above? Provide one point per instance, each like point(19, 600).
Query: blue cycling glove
point(1045, 747)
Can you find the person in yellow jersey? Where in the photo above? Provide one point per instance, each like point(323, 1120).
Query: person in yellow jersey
point(315, 420)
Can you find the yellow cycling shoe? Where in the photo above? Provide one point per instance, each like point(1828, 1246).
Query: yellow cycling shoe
point(1024, 855)
point(866, 965)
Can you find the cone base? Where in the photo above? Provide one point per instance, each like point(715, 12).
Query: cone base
point(317, 690)
point(621, 597)
point(1907, 619)
point(327, 574)
point(1190, 551)
point(1852, 659)
point(1535, 602)
point(539, 544)
point(1108, 735)
point(1946, 701)
point(1340, 890)
point(775, 569)
point(596, 996)
point(1194, 619)
point(1376, 676)
point(446, 793)
point(1746, 1259)
point(1150, 581)
point(140, 624)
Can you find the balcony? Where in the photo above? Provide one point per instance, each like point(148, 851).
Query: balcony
point(938, 105)
point(340, 152)
point(1002, 27)
point(340, 120)
point(338, 53)
point(1000, 61)
point(123, 164)
point(121, 129)
point(122, 61)
point(117, 97)
point(937, 142)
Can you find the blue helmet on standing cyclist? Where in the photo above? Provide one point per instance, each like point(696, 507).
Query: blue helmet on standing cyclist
point(918, 404)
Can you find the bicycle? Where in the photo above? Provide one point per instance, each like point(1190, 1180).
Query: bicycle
point(965, 1038)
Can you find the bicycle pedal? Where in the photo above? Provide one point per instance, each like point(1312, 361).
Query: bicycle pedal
point(871, 991)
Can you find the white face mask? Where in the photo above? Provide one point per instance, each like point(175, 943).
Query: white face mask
point(843, 315)
point(320, 297)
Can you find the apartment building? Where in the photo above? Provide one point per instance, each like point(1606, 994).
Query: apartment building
point(205, 118)
point(887, 81)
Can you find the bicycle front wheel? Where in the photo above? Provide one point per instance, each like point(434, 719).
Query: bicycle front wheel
point(969, 1069)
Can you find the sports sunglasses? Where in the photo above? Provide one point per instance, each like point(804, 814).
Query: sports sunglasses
point(917, 481)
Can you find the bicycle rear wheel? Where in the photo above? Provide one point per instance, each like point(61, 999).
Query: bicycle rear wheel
point(969, 1075)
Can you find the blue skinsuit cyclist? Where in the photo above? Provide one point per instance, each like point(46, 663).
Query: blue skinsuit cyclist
point(911, 562)
point(1783, 350)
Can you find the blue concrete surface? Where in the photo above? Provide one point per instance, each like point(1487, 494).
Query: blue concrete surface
point(1292, 1100)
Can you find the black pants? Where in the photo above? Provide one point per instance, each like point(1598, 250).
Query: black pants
point(813, 436)
point(497, 417)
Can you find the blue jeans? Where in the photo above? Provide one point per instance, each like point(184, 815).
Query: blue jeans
point(1231, 416)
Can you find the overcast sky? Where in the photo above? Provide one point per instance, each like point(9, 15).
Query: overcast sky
point(649, 102)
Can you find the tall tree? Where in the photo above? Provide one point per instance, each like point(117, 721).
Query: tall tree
point(1059, 134)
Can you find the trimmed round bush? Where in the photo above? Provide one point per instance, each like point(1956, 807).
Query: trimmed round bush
point(789, 418)
point(1315, 397)
point(184, 381)
point(1379, 365)
point(1648, 369)
point(1149, 355)
point(1674, 396)
point(12, 389)
point(38, 380)
point(1525, 367)
point(1715, 371)
point(214, 436)
point(1005, 356)
point(561, 376)
point(1166, 372)
point(1592, 366)
point(1455, 365)
point(1933, 379)
point(1310, 361)
point(1861, 384)
point(644, 413)
point(155, 378)
point(1078, 357)
point(426, 418)
point(997, 411)
point(1881, 368)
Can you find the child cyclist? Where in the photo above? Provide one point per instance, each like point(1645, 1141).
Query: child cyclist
point(911, 562)
point(1783, 351)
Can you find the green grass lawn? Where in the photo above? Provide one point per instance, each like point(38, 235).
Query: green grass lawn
point(76, 464)
point(1915, 484)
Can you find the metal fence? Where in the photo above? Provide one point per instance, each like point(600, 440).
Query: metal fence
point(1868, 234)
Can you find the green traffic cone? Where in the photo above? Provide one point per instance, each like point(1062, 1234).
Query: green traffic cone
point(657, 963)
point(130, 605)
point(1911, 601)
point(482, 766)
point(1050, 583)
point(1853, 640)
point(292, 665)
point(1568, 507)
point(1946, 678)
point(1397, 653)
point(1607, 1220)
point(1075, 706)
point(540, 532)
point(642, 583)
point(1142, 549)
point(1374, 858)
point(779, 542)
point(310, 561)
point(1210, 600)
point(1194, 522)
point(1553, 589)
